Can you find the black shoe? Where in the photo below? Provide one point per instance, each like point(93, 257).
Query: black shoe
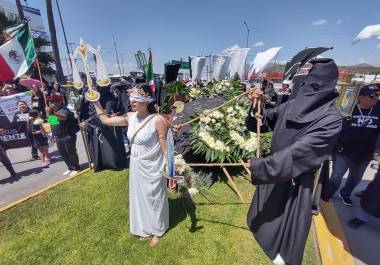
point(355, 223)
point(345, 200)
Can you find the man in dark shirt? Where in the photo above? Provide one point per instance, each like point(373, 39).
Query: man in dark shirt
point(64, 131)
point(356, 143)
point(22, 115)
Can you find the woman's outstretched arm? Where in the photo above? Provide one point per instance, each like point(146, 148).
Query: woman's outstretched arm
point(110, 121)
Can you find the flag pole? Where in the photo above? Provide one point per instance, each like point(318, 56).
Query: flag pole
point(42, 83)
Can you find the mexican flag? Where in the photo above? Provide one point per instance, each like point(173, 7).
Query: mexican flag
point(17, 54)
point(149, 72)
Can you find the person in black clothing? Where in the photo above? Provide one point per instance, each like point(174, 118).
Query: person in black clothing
point(5, 160)
point(305, 130)
point(22, 115)
point(369, 203)
point(64, 129)
point(356, 144)
point(40, 138)
point(269, 96)
point(284, 92)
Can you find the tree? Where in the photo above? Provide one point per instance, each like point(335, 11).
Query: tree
point(6, 20)
point(44, 57)
point(54, 43)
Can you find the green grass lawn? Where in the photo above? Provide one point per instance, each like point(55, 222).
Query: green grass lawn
point(86, 221)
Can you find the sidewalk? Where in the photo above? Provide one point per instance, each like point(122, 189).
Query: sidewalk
point(363, 242)
point(32, 176)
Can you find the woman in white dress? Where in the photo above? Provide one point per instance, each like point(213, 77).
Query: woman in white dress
point(147, 131)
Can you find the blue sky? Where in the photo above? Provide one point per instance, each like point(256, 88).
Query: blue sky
point(176, 28)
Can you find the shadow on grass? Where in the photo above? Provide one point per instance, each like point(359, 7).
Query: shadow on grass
point(222, 223)
point(180, 208)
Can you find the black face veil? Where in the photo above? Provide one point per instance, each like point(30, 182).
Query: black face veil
point(316, 93)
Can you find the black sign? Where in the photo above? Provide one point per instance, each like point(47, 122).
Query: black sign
point(15, 134)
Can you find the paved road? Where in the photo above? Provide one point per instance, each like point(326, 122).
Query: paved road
point(32, 176)
point(363, 242)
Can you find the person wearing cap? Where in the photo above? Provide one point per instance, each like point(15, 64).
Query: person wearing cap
point(64, 129)
point(283, 92)
point(356, 143)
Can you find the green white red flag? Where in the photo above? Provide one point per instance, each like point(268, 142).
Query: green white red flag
point(17, 54)
point(149, 73)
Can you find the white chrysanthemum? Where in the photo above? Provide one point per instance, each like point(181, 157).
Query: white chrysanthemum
point(205, 119)
point(193, 191)
point(217, 115)
point(183, 166)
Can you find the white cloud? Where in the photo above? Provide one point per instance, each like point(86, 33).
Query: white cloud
point(339, 21)
point(319, 22)
point(378, 46)
point(362, 61)
point(259, 44)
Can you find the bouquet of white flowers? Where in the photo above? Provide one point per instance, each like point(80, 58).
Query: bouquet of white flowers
point(221, 136)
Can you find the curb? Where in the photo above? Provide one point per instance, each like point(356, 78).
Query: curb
point(333, 246)
point(34, 194)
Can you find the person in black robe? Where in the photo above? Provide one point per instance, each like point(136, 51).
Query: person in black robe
point(305, 129)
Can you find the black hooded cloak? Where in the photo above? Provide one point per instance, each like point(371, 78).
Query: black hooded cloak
point(305, 130)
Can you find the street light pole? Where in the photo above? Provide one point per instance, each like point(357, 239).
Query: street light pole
point(248, 30)
point(64, 35)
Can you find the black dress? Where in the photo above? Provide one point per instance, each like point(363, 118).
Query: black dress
point(39, 139)
point(305, 130)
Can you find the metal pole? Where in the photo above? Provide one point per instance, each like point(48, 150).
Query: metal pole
point(117, 56)
point(248, 30)
point(122, 63)
point(64, 34)
point(209, 63)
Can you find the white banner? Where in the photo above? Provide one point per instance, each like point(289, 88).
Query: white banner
point(197, 64)
point(238, 57)
point(8, 104)
point(372, 31)
point(220, 65)
point(262, 60)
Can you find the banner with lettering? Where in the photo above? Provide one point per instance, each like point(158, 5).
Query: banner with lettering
point(8, 104)
point(14, 134)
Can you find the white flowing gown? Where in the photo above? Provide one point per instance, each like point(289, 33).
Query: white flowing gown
point(148, 199)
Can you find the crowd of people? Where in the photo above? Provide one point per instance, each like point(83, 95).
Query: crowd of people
point(307, 130)
point(35, 116)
